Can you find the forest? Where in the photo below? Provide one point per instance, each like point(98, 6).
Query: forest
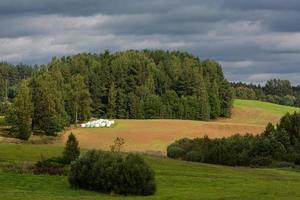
point(274, 91)
point(146, 84)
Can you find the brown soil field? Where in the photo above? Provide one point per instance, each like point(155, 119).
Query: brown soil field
point(153, 136)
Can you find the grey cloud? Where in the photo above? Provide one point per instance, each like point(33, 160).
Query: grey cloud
point(252, 39)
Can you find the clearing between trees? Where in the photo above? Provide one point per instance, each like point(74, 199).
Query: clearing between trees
point(153, 136)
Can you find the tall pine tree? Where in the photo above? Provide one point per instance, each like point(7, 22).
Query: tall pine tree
point(79, 100)
point(111, 106)
point(214, 101)
point(22, 112)
point(202, 97)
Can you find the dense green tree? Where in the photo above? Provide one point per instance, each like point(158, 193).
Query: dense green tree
point(152, 107)
point(172, 104)
point(245, 93)
point(22, 112)
point(79, 99)
point(3, 90)
point(226, 98)
point(121, 104)
point(49, 113)
point(112, 98)
point(71, 151)
point(202, 99)
point(133, 106)
point(214, 101)
point(278, 87)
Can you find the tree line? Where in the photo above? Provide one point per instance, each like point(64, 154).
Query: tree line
point(10, 77)
point(280, 143)
point(129, 85)
point(274, 91)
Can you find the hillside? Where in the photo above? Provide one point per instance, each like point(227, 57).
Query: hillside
point(154, 135)
point(191, 180)
point(257, 112)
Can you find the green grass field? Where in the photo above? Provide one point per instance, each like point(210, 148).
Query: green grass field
point(175, 180)
point(257, 112)
point(268, 107)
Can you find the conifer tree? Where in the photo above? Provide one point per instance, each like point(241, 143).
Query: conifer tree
point(71, 151)
point(121, 104)
point(202, 97)
point(49, 112)
point(226, 97)
point(111, 106)
point(80, 99)
point(22, 111)
point(214, 100)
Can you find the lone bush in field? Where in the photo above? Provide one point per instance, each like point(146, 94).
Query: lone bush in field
point(72, 150)
point(112, 173)
point(118, 145)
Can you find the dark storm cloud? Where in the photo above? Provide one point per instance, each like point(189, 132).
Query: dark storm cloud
point(272, 5)
point(86, 7)
point(253, 40)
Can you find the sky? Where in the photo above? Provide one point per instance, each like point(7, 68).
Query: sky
point(253, 40)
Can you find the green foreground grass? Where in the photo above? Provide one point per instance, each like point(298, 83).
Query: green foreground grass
point(270, 107)
point(175, 180)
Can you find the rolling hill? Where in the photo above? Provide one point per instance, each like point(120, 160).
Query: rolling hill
point(153, 136)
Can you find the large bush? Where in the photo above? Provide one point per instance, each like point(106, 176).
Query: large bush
point(112, 173)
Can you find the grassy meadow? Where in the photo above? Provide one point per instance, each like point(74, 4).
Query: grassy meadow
point(154, 135)
point(175, 180)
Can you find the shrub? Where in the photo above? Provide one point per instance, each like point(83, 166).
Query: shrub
point(138, 177)
point(112, 173)
point(71, 151)
point(175, 151)
point(51, 166)
point(284, 165)
point(260, 161)
point(194, 156)
point(181, 147)
point(297, 160)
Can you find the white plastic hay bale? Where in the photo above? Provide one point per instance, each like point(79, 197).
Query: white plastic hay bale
point(98, 123)
point(108, 124)
point(102, 124)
